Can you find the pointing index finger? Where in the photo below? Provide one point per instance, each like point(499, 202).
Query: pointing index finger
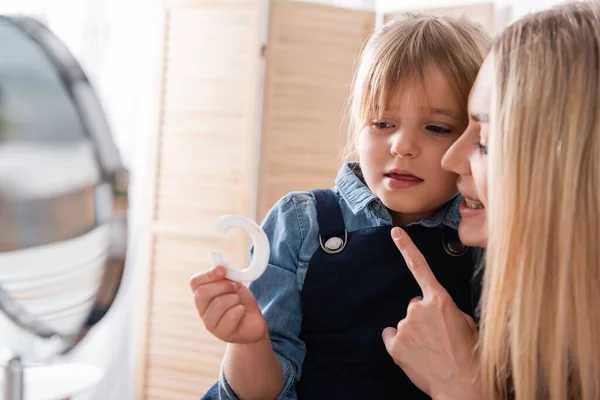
point(416, 262)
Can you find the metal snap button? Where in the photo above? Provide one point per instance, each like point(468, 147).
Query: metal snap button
point(334, 244)
point(455, 248)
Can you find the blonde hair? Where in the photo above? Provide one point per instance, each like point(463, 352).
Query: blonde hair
point(404, 48)
point(540, 332)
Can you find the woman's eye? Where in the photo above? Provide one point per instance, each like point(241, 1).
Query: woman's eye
point(482, 148)
point(439, 130)
point(381, 124)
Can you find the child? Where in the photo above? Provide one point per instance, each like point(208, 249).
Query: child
point(310, 327)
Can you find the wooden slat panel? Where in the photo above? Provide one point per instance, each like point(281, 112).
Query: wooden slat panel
point(155, 391)
point(311, 51)
point(481, 13)
point(207, 133)
point(202, 169)
point(179, 345)
point(180, 257)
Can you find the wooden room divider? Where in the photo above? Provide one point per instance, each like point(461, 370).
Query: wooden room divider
point(201, 154)
point(310, 56)
point(205, 159)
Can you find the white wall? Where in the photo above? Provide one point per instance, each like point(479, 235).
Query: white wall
point(507, 10)
point(521, 8)
point(119, 51)
point(125, 67)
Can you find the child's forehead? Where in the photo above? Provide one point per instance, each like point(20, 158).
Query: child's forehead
point(431, 87)
point(438, 100)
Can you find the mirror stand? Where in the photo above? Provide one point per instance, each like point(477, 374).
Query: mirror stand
point(12, 385)
point(50, 380)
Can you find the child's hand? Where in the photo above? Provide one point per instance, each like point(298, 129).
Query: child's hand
point(228, 309)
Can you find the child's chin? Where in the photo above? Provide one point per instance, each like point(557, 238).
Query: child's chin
point(408, 207)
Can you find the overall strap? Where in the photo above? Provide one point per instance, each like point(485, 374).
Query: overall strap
point(332, 230)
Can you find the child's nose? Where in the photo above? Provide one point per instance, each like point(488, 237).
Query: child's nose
point(404, 144)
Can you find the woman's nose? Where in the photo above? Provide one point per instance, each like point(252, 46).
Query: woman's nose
point(456, 158)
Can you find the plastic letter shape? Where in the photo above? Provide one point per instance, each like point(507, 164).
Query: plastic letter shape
point(260, 257)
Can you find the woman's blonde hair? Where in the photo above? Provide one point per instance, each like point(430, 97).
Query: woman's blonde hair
point(404, 48)
point(540, 332)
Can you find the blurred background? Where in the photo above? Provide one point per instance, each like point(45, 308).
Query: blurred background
point(218, 107)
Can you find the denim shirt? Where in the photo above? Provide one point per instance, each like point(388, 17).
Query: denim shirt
point(292, 228)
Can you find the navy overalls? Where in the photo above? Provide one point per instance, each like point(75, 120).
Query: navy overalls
point(357, 284)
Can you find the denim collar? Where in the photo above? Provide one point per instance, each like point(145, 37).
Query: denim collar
point(352, 187)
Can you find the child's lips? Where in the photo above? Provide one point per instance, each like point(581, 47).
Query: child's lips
point(406, 177)
point(401, 181)
point(404, 174)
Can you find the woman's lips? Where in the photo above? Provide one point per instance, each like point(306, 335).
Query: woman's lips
point(473, 203)
point(470, 208)
point(401, 181)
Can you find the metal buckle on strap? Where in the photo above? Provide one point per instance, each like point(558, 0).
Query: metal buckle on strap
point(334, 244)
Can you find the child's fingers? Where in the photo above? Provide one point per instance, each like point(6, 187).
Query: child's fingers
point(204, 277)
point(247, 298)
point(231, 320)
point(204, 294)
point(217, 308)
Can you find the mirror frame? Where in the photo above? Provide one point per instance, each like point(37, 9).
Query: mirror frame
point(97, 129)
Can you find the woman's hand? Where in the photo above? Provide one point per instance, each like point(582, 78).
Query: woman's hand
point(435, 343)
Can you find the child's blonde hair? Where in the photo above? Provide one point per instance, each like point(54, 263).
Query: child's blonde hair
point(404, 48)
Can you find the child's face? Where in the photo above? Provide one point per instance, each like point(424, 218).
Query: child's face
point(400, 154)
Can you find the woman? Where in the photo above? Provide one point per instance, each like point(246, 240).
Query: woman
point(536, 105)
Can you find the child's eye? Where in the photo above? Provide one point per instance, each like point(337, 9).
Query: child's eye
point(482, 148)
point(381, 124)
point(439, 130)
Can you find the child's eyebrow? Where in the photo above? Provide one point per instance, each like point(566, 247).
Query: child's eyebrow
point(444, 111)
point(480, 117)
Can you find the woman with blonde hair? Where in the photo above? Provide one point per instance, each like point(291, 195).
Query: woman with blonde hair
point(534, 135)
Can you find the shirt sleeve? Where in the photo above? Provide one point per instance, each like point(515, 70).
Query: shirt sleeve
point(278, 296)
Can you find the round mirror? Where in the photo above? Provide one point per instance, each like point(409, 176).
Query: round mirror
point(63, 192)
